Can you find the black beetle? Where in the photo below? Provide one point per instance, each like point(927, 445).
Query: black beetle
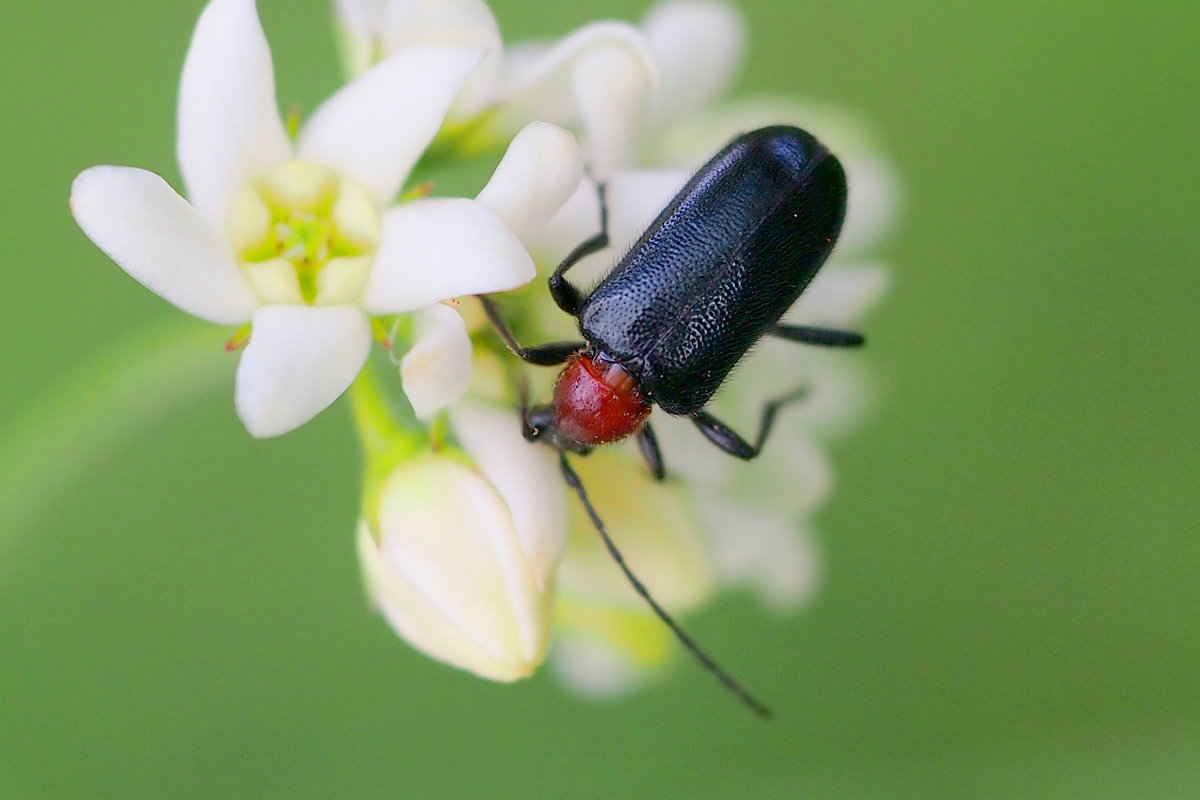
point(711, 276)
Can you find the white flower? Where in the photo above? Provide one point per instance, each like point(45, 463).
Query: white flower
point(458, 553)
point(597, 79)
point(296, 239)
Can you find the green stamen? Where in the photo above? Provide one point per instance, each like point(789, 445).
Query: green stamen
point(300, 206)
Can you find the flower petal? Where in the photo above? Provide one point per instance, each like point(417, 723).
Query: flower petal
point(436, 370)
point(600, 76)
point(468, 23)
point(601, 651)
point(359, 23)
point(154, 235)
point(376, 128)
point(688, 455)
point(635, 198)
point(578, 219)
point(593, 666)
point(362, 18)
point(872, 202)
point(793, 475)
point(677, 32)
point(230, 132)
point(299, 360)
point(612, 92)
point(527, 478)
point(840, 392)
point(435, 249)
point(764, 549)
point(839, 296)
point(837, 391)
point(693, 140)
point(540, 170)
point(407, 23)
point(539, 74)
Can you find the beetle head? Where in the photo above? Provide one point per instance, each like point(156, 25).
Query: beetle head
point(540, 424)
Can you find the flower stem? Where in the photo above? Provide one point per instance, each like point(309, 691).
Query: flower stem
point(379, 429)
point(388, 436)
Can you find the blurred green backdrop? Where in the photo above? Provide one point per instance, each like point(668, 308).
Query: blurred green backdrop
point(1013, 551)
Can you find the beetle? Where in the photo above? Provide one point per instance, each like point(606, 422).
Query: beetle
point(711, 276)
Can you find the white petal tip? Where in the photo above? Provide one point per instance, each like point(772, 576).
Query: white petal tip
point(436, 371)
point(448, 572)
point(540, 170)
point(153, 234)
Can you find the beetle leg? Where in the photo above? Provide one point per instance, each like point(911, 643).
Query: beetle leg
point(648, 444)
point(565, 293)
point(728, 439)
point(723, 436)
point(546, 355)
point(827, 337)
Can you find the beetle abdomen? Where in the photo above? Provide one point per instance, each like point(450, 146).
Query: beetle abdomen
point(720, 265)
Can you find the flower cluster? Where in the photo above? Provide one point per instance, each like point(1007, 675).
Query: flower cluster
point(299, 240)
point(310, 246)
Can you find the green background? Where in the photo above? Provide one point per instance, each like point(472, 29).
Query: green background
point(1013, 550)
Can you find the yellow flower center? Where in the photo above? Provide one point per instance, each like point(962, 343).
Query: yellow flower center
point(303, 234)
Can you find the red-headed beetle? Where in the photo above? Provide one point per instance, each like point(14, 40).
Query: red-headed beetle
point(712, 275)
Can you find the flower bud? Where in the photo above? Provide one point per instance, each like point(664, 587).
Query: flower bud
point(459, 559)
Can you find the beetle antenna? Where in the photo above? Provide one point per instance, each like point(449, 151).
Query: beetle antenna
point(704, 658)
point(523, 395)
